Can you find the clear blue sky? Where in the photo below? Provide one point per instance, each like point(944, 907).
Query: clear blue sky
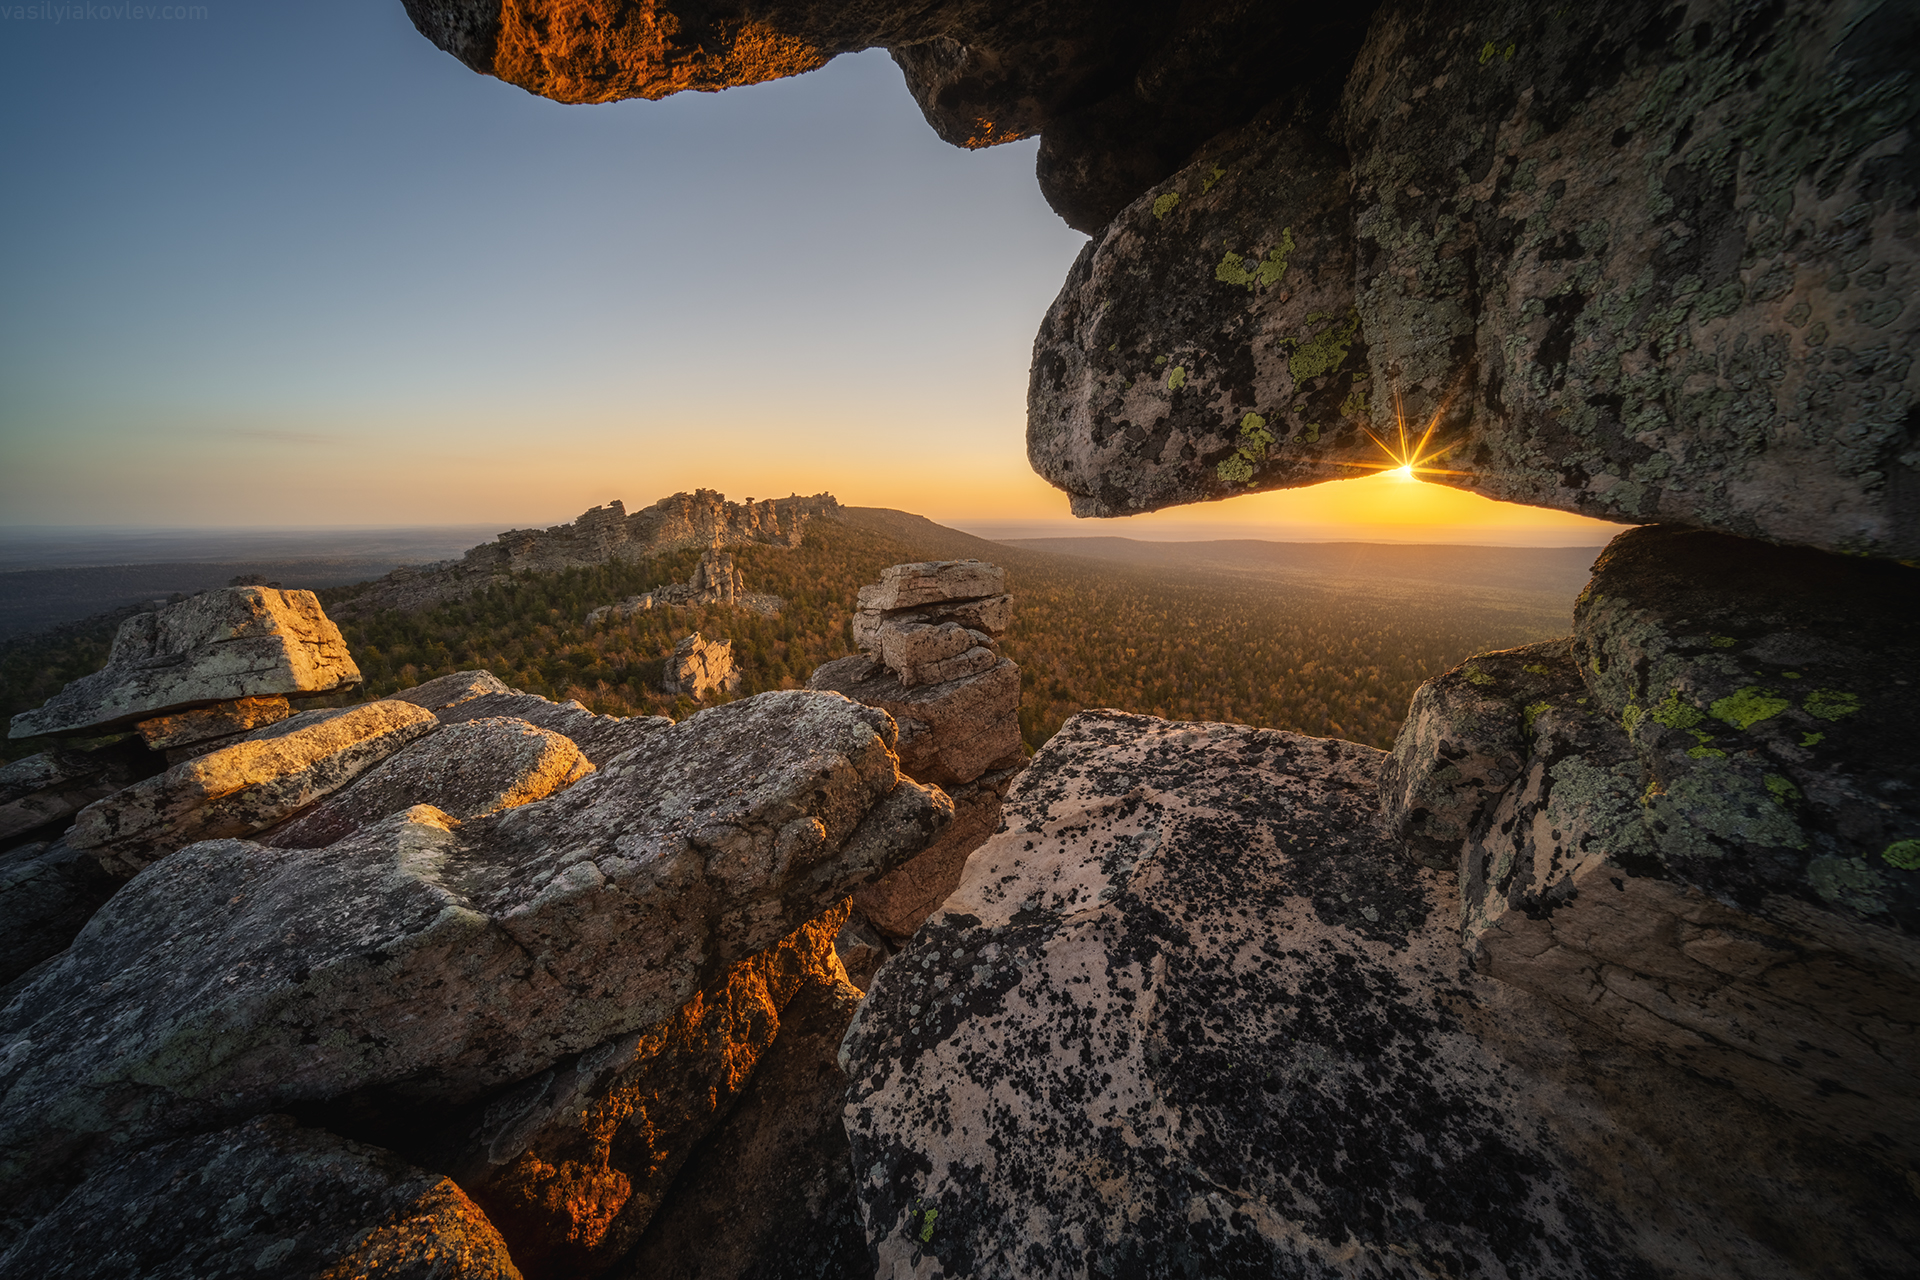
point(289, 264)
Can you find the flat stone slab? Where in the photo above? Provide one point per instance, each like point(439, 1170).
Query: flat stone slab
point(441, 960)
point(243, 642)
point(600, 738)
point(1193, 1013)
point(903, 586)
point(266, 1198)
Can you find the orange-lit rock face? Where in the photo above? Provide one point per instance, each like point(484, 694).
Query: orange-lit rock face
point(606, 50)
point(572, 1167)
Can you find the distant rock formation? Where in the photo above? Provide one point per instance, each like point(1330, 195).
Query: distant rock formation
point(703, 518)
point(698, 667)
point(716, 580)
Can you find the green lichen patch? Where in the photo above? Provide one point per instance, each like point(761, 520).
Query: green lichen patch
point(1747, 707)
point(1831, 704)
point(1903, 854)
point(1533, 711)
point(1235, 470)
point(1812, 739)
point(1722, 642)
point(1705, 753)
point(1176, 377)
point(927, 1220)
point(1325, 351)
point(1631, 717)
point(1206, 183)
point(1476, 676)
point(1676, 713)
point(1782, 790)
point(1166, 204)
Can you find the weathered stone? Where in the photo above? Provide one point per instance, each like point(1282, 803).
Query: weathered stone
point(48, 892)
point(600, 738)
point(444, 692)
point(573, 1164)
point(949, 733)
point(1191, 1013)
point(1205, 342)
point(1465, 742)
point(899, 902)
point(221, 720)
point(243, 642)
point(442, 961)
point(905, 586)
point(771, 1195)
point(54, 785)
point(465, 771)
point(264, 778)
point(267, 1198)
point(698, 667)
point(862, 950)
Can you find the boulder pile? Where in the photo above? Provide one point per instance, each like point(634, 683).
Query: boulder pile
point(716, 580)
point(930, 633)
point(424, 986)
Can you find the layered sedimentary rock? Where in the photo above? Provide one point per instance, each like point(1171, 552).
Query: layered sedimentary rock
point(573, 1164)
point(465, 771)
point(243, 642)
point(698, 666)
point(54, 785)
point(1193, 1011)
point(264, 1198)
point(600, 738)
point(266, 777)
point(221, 720)
point(439, 961)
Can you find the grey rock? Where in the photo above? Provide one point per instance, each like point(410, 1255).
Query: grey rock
point(950, 733)
point(905, 586)
point(600, 738)
point(899, 902)
point(221, 720)
point(243, 642)
point(444, 692)
point(698, 666)
point(1192, 1013)
point(465, 771)
point(264, 1199)
point(440, 960)
point(48, 892)
point(52, 786)
point(264, 778)
point(862, 949)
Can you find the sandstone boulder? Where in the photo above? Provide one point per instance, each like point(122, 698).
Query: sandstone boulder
point(48, 892)
point(465, 771)
point(771, 1195)
point(950, 733)
point(442, 961)
point(54, 785)
point(1192, 1013)
point(243, 642)
point(573, 1164)
point(904, 586)
point(267, 1198)
point(221, 720)
point(899, 902)
point(698, 667)
point(445, 692)
point(264, 778)
point(600, 738)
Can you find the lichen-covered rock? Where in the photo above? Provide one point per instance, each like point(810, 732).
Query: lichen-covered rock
point(1463, 744)
point(442, 961)
point(52, 786)
point(243, 642)
point(48, 892)
point(1655, 263)
point(467, 770)
point(1205, 342)
point(221, 720)
point(771, 1195)
point(1191, 1013)
point(950, 733)
point(572, 1165)
point(260, 780)
point(264, 1199)
point(600, 738)
point(445, 692)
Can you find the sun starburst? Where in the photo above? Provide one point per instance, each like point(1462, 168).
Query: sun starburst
point(1407, 458)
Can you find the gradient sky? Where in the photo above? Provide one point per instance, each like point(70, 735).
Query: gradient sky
point(292, 265)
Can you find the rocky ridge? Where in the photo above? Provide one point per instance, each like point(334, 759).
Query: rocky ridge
point(716, 580)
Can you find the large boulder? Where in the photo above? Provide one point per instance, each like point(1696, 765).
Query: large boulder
point(264, 1199)
point(1192, 1013)
point(950, 733)
point(573, 1164)
point(600, 738)
point(266, 777)
point(441, 961)
point(465, 771)
point(698, 666)
point(243, 642)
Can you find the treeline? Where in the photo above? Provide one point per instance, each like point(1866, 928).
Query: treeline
point(1330, 660)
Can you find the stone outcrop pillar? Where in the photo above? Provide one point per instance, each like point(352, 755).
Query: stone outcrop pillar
point(930, 636)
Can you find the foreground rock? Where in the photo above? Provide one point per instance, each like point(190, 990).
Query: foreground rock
point(265, 1198)
point(698, 667)
point(600, 738)
point(1193, 1013)
point(48, 892)
point(465, 771)
point(441, 961)
point(772, 1195)
point(443, 693)
point(52, 786)
point(243, 642)
point(264, 778)
point(573, 1164)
